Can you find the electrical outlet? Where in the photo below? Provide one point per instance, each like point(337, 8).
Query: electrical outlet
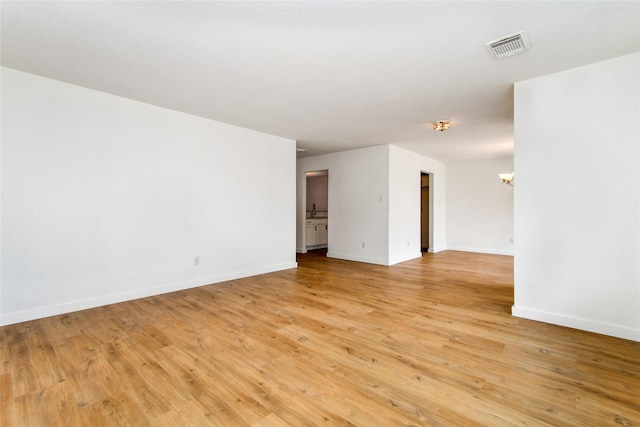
point(196, 260)
point(363, 243)
point(510, 239)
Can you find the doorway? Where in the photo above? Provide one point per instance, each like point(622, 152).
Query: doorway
point(425, 214)
point(316, 229)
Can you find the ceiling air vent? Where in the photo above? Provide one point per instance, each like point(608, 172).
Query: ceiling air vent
point(509, 45)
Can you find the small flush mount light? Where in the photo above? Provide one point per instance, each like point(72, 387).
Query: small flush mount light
point(441, 125)
point(507, 178)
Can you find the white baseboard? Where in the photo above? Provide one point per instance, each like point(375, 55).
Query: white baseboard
point(357, 258)
point(71, 306)
point(405, 258)
point(577, 323)
point(481, 250)
point(373, 260)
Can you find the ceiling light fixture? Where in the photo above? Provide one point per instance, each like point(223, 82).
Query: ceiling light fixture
point(441, 125)
point(507, 178)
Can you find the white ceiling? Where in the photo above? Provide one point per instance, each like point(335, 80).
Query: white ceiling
point(331, 75)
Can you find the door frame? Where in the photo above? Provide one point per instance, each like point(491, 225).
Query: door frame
point(430, 201)
point(319, 172)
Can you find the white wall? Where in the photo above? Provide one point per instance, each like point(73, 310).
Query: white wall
point(374, 197)
point(404, 208)
point(577, 201)
point(318, 192)
point(106, 199)
point(358, 203)
point(479, 206)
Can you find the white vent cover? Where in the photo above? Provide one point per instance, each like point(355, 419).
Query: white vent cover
point(509, 45)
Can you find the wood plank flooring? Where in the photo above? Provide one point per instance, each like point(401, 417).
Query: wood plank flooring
point(427, 342)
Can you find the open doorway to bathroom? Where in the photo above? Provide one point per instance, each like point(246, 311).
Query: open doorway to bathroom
point(317, 211)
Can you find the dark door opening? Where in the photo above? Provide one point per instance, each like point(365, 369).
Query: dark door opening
point(424, 211)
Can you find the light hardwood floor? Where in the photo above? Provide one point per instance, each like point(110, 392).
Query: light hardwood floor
point(426, 342)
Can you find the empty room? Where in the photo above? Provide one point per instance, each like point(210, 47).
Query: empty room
point(307, 213)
